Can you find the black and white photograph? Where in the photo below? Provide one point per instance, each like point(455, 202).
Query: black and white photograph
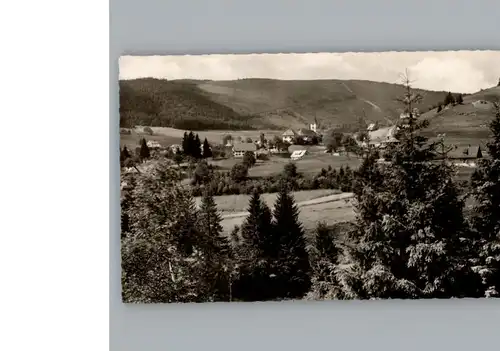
point(311, 176)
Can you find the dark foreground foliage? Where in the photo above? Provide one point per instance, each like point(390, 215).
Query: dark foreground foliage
point(411, 237)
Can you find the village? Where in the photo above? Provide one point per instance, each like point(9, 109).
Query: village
point(314, 140)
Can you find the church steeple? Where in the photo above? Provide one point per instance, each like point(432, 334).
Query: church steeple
point(314, 126)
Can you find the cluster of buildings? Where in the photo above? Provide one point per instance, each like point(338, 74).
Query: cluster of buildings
point(302, 136)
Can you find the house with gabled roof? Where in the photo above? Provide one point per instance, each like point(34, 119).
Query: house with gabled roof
point(240, 149)
point(289, 136)
point(468, 155)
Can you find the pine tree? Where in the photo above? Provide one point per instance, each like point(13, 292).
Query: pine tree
point(197, 151)
point(449, 99)
point(144, 153)
point(324, 255)
point(124, 154)
point(294, 276)
point(162, 254)
point(189, 148)
point(207, 152)
point(485, 183)
point(409, 240)
point(215, 246)
point(185, 142)
point(460, 99)
point(257, 253)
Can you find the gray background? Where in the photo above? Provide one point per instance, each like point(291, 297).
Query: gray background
point(217, 26)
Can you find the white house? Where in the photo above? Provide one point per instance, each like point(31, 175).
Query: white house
point(152, 144)
point(372, 127)
point(289, 136)
point(298, 154)
point(240, 149)
point(176, 148)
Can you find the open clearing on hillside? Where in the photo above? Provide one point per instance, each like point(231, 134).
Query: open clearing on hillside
point(330, 209)
point(239, 203)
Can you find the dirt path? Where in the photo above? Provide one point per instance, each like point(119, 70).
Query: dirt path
point(347, 88)
point(376, 107)
point(317, 201)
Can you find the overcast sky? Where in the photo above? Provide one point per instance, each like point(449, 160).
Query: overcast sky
point(457, 71)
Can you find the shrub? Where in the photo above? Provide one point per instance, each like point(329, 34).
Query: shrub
point(249, 159)
point(239, 172)
point(148, 130)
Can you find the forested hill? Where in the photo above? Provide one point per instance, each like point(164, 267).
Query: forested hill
point(261, 103)
point(177, 104)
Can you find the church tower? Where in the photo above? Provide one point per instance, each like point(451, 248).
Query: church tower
point(314, 126)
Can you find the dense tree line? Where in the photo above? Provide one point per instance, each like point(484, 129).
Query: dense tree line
point(237, 181)
point(173, 251)
point(181, 105)
point(410, 238)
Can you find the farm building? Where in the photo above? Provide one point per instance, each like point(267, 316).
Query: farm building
point(467, 156)
point(481, 104)
point(372, 127)
point(152, 144)
point(176, 148)
point(383, 136)
point(298, 154)
point(289, 136)
point(240, 149)
point(307, 135)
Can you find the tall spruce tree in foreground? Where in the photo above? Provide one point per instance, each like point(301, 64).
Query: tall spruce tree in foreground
point(294, 268)
point(410, 238)
point(324, 255)
point(485, 183)
point(163, 259)
point(257, 252)
point(216, 247)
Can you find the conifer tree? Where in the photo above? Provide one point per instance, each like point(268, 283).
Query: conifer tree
point(410, 235)
point(440, 108)
point(207, 152)
point(257, 253)
point(323, 255)
point(485, 183)
point(124, 154)
point(460, 99)
point(185, 143)
point(144, 153)
point(216, 248)
point(162, 254)
point(197, 151)
point(449, 99)
point(294, 275)
point(189, 150)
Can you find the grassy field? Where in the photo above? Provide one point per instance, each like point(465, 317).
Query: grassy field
point(329, 212)
point(238, 203)
point(168, 136)
point(309, 164)
point(465, 124)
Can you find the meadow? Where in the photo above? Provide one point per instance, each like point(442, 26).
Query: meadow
point(309, 164)
point(168, 136)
